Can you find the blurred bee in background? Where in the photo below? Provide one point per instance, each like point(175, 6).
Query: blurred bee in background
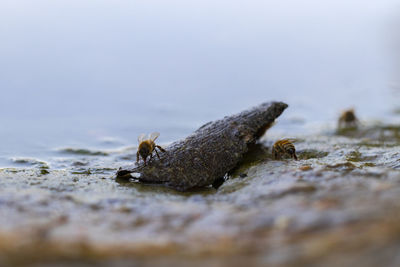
point(348, 119)
point(147, 146)
point(284, 147)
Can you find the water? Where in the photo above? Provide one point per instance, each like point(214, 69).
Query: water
point(80, 80)
point(96, 74)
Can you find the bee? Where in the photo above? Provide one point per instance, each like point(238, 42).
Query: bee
point(284, 147)
point(348, 119)
point(147, 146)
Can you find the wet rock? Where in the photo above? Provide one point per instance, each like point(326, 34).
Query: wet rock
point(210, 152)
point(84, 152)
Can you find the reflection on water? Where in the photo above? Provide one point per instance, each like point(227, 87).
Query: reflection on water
point(73, 73)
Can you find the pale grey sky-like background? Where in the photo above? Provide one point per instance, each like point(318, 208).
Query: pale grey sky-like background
point(73, 72)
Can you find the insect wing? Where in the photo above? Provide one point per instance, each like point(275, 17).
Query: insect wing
point(153, 136)
point(141, 138)
point(292, 140)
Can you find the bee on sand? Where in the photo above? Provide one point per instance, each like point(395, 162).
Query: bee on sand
point(284, 147)
point(147, 146)
point(348, 119)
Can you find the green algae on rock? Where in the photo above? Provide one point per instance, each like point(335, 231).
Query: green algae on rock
point(210, 152)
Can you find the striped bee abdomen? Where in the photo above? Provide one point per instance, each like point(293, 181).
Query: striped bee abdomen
point(283, 147)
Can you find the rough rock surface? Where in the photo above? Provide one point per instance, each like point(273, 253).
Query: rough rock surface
point(210, 152)
point(338, 205)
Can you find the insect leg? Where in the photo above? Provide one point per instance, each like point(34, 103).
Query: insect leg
point(157, 152)
point(161, 149)
point(275, 154)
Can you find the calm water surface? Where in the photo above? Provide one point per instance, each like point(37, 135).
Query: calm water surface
point(96, 74)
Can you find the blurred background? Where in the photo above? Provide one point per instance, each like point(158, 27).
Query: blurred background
point(94, 73)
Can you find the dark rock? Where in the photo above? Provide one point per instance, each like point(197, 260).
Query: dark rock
point(210, 152)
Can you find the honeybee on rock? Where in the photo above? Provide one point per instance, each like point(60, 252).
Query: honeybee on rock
point(348, 119)
point(284, 147)
point(147, 146)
